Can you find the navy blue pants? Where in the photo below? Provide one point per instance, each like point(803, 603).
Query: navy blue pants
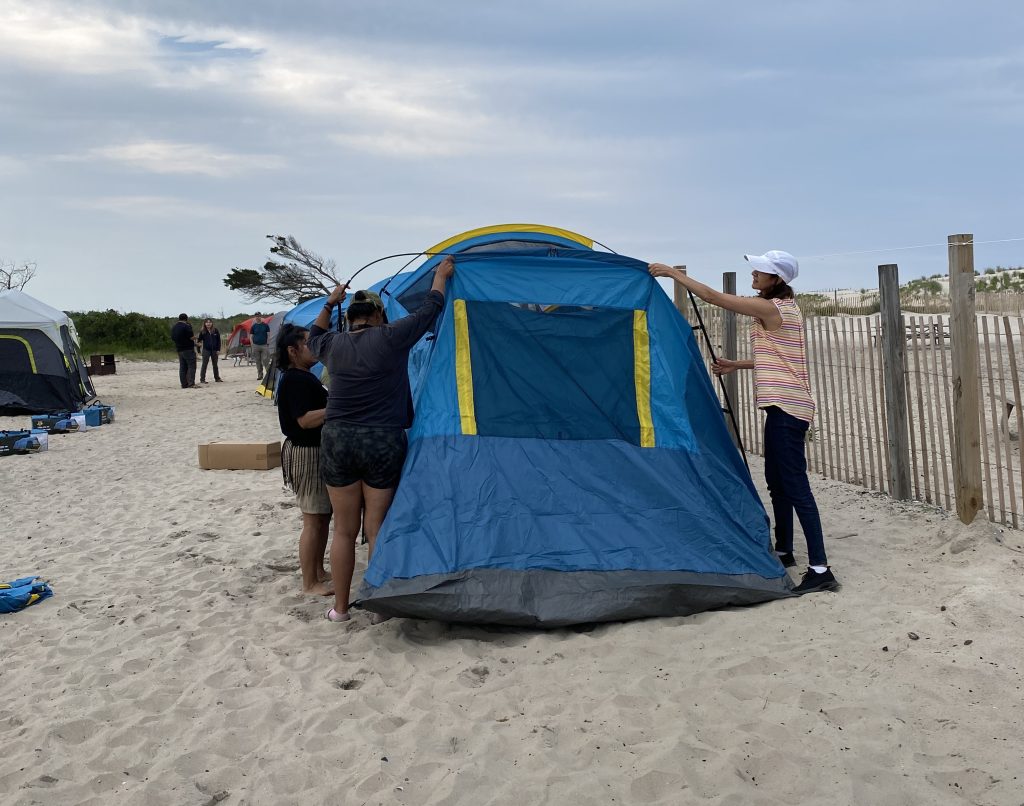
point(785, 471)
point(187, 368)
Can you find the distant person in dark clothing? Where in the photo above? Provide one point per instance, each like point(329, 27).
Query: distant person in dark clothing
point(209, 341)
point(259, 333)
point(301, 406)
point(185, 343)
point(369, 406)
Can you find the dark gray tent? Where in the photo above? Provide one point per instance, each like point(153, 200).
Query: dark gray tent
point(41, 364)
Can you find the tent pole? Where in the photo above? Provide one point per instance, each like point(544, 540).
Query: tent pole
point(725, 394)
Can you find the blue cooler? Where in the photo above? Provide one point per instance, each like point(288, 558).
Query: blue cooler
point(98, 414)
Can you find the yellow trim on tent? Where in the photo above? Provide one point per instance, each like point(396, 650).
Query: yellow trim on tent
point(28, 348)
point(642, 376)
point(538, 228)
point(464, 369)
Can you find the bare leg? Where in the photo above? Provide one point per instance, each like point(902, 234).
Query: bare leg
point(377, 503)
point(323, 535)
point(347, 503)
point(311, 556)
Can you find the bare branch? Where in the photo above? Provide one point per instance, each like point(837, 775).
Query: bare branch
point(292, 275)
point(16, 275)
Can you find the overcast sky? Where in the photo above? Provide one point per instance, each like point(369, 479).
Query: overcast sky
point(148, 147)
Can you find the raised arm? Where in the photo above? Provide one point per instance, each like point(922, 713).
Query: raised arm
point(762, 309)
point(323, 319)
point(410, 329)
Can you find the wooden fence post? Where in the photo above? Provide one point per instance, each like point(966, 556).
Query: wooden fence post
point(729, 382)
point(964, 333)
point(680, 296)
point(894, 381)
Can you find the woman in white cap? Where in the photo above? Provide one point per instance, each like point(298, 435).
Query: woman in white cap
point(783, 390)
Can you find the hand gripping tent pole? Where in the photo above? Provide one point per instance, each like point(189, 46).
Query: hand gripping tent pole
point(411, 255)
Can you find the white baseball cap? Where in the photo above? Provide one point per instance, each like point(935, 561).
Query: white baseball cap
point(782, 264)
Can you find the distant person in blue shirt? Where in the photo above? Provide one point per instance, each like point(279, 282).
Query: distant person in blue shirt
point(259, 333)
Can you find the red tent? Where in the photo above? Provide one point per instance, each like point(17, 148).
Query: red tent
point(234, 345)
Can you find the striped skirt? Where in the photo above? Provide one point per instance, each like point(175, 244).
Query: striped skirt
point(300, 468)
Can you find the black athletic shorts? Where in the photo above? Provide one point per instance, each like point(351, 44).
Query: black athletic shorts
point(371, 454)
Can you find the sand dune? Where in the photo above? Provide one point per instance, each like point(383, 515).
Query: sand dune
point(178, 663)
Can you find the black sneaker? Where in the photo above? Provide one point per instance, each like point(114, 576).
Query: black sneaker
point(813, 582)
point(787, 559)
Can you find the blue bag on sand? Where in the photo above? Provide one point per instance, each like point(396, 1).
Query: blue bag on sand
point(21, 593)
point(101, 413)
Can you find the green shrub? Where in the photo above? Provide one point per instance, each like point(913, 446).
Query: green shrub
point(135, 333)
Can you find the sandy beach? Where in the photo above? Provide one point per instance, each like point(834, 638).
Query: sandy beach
point(178, 662)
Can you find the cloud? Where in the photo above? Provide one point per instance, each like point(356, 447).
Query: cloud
point(161, 207)
point(276, 75)
point(11, 167)
point(46, 36)
point(164, 157)
point(418, 106)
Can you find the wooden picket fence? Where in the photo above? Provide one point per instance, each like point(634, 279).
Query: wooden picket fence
point(849, 437)
point(836, 302)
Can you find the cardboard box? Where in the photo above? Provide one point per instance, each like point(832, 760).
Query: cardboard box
point(20, 442)
point(239, 455)
point(48, 423)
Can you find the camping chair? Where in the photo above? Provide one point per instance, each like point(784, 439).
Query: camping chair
point(244, 355)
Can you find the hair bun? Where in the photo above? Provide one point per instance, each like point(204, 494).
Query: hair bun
point(360, 296)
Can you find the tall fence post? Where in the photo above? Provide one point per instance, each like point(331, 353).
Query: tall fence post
point(729, 381)
point(964, 333)
point(680, 296)
point(894, 381)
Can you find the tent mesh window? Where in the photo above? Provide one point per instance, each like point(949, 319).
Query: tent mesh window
point(552, 372)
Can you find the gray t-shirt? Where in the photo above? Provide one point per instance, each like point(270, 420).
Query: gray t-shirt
point(369, 369)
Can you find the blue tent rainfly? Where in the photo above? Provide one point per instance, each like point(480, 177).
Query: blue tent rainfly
point(569, 462)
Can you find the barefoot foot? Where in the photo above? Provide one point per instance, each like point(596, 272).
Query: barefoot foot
point(319, 589)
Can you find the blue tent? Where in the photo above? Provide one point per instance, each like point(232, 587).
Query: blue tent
point(569, 461)
point(305, 313)
point(408, 290)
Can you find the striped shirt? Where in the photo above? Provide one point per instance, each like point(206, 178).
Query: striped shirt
point(780, 364)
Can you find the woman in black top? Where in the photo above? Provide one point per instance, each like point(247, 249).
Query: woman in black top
point(368, 409)
point(209, 341)
point(301, 406)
